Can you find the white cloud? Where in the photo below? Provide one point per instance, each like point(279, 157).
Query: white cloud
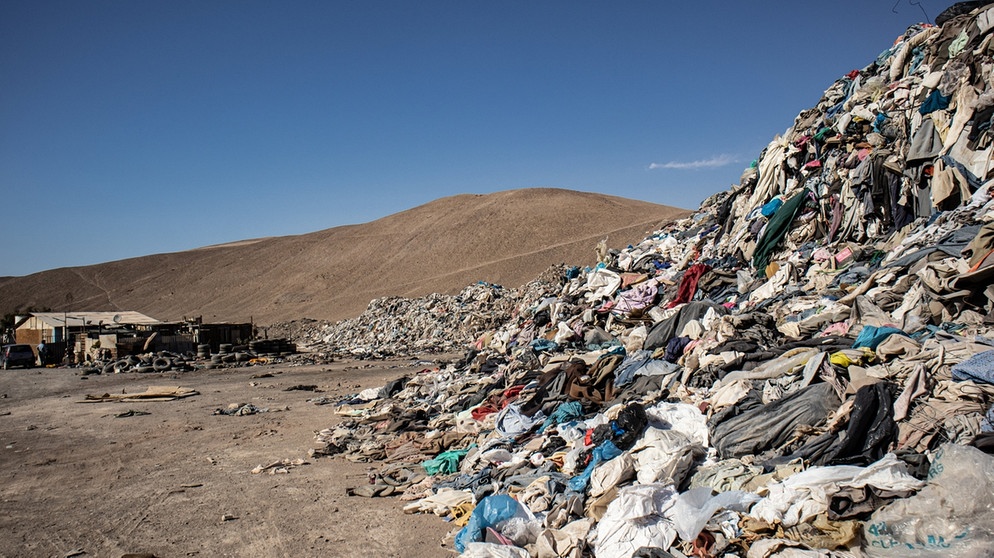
point(713, 162)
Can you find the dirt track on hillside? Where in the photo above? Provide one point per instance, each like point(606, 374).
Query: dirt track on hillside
point(80, 481)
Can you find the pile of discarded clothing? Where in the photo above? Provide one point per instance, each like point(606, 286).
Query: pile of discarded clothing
point(434, 324)
point(805, 367)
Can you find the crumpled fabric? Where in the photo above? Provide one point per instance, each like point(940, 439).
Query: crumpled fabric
point(568, 541)
point(602, 283)
point(680, 417)
point(565, 412)
point(443, 500)
point(688, 284)
point(935, 101)
point(635, 519)
point(785, 548)
point(626, 374)
point(871, 429)
point(664, 456)
point(725, 475)
point(981, 245)
point(774, 285)
point(871, 336)
point(787, 363)
point(638, 297)
point(769, 426)
point(777, 229)
point(611, 473)
point(604, 452)
point(511, 422)
point(801, 497)
point(444, 463)
point(978, 368)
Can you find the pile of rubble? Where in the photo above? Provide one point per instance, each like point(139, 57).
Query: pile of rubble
point(805, 367)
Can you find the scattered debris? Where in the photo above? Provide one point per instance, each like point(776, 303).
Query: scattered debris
point(280, 467)
point(302, 388)
point(153, 393)
point(131, 413)
point(240, 409)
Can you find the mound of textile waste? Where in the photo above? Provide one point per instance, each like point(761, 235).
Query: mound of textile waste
point(436, 323)
point(805, 367)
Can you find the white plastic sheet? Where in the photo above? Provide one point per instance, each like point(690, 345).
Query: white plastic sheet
point(693, 509)
point(952, 516)
point(635, 519)
point(799, 498)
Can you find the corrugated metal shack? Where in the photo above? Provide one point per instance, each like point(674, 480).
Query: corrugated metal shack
point(71, 336)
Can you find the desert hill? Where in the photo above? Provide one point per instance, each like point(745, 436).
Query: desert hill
point(506, 238)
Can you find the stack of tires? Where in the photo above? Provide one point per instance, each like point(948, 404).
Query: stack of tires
point(228, 353)
point(272, 347)
point(163, 361)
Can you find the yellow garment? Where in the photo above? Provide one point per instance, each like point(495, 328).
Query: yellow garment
point(461, 513)
point(847, 358)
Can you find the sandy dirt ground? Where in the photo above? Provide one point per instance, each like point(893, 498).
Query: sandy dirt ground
point(79, 480)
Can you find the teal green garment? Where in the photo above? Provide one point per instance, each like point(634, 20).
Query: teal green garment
point(823, 133)
point(959, 44)
point(777, 228)
point(565, 412)
point(444, 463)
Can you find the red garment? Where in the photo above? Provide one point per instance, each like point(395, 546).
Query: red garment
point(510, 394)
point(483, 410)
point(513, 391)
point(688, 285)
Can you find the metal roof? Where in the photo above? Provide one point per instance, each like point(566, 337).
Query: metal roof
point(81, 319)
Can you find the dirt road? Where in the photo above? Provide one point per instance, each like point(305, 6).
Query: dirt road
point(80, 480)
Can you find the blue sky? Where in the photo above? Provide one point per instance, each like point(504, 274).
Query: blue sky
point(133, 128)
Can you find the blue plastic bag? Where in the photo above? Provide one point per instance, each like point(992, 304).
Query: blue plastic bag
point(604, 452)
point(771, 207)
point(489, 512)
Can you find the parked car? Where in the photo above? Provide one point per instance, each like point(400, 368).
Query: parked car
point(16, 355)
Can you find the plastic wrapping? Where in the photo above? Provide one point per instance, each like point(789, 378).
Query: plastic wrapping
point(520, 529)
point(604, 452)
point(490, 550)
point(693, 509)
point(490, 511)
point(952, 516)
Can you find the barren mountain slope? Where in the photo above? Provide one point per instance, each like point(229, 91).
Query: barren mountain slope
point(506, 238)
